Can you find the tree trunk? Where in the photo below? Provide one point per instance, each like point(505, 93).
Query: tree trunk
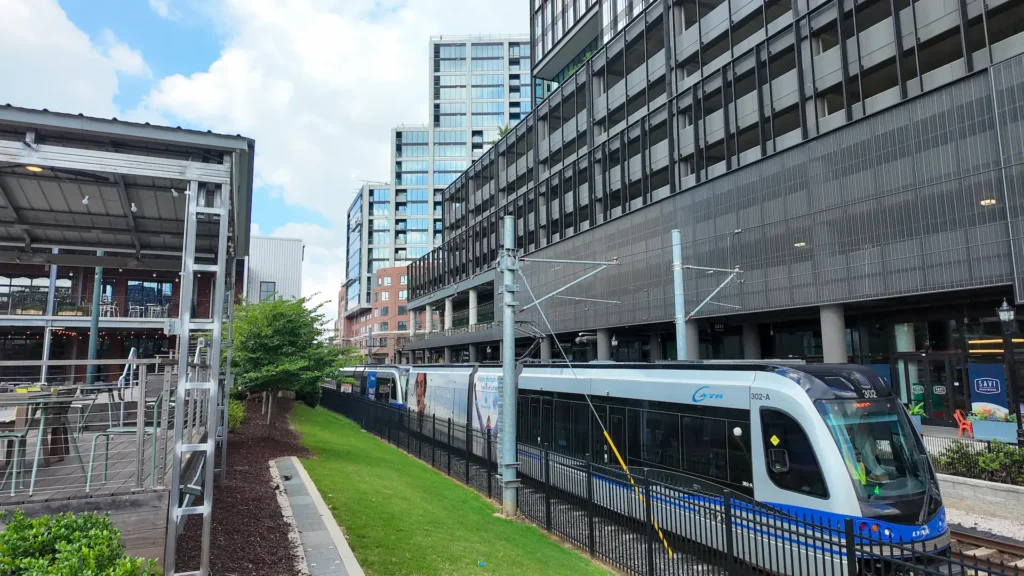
point(263, 405)
point(270, 409)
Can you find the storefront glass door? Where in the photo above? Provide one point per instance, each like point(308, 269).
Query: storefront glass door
point(937, 380)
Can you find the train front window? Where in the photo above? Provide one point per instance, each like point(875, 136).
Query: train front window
point(882, 455)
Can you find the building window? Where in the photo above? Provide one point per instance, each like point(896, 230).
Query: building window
point(376, 312)
point(387, 280)
point(376, 297)
point(402, 310)
point(402, 326)
point(383, 327)
point(385, 296)
point(403, 294)
point(267, 291)
point(384, 311)
point(404, 280)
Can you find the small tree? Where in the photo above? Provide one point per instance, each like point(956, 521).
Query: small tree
point(504, 131)
point(283, 345)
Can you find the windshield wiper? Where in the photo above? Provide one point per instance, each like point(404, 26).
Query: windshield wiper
point(925, 469)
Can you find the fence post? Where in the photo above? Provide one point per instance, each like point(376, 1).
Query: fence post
point(469, 438)
point(648, 523)
point(489, 463)
point(448, 450)
point(590, 505)
point(727, 525)
point(547, 489)
point(433, 437)
point(851, 547)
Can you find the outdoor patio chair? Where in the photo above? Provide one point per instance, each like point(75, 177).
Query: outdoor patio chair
point(963, 424)
point(134, 311)
point(127, 431)
point(23, 419)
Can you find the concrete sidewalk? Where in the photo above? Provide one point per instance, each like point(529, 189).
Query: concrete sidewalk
point(327, 552)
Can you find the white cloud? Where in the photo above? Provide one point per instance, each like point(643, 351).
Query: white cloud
point(163, 9)
point(319, 84)
point(56, 66)
point(124, 58)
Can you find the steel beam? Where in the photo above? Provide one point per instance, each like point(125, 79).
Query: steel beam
point(126, 206)
point(47, 155)
point(6, 197)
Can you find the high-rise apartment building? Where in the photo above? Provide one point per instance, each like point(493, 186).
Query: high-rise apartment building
point(478, 85)
point(859, 161)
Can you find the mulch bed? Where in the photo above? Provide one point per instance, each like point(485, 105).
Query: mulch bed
point(249, 535)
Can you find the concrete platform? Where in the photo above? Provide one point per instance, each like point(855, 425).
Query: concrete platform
point(326, 550)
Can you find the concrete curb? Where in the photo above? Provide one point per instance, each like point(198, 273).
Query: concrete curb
point(340, 543)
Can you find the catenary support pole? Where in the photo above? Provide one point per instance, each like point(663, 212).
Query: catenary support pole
point(507, 434)
point(680, 303)
point(94, 322)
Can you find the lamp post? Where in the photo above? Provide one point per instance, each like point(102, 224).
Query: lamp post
point(1006, 317)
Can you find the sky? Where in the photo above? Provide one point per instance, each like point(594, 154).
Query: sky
point(317, 83)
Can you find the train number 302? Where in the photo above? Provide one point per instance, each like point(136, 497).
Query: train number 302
point(759, 396)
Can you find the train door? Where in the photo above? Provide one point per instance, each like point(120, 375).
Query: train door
point(617, 430)
point(535, 421)
point(602, 454)
point(548, 415)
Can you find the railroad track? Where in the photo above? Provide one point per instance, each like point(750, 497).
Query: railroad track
point(1001, 555)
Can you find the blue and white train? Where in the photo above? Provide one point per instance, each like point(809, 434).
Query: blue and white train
point(829, 442)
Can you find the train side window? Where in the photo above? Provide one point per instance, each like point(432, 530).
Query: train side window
point(523, 419)
point(740, 470)
point(789, 457)
point(580, 428)
point(535, 423)
point(547, 420)
point(661, 439)
point(704, 447)
point(563, 426)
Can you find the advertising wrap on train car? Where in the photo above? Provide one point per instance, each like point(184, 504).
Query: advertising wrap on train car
point(485, 402)
point(441, 394)
point(371, 385)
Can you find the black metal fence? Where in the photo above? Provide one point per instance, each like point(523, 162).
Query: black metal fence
point(650, 524)
point(980, 459)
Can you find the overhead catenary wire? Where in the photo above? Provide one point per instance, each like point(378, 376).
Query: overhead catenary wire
point(593, 411)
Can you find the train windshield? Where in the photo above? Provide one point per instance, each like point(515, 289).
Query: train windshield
point(877, 441)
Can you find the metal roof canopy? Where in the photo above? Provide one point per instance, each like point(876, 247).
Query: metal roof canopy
point(134, 177)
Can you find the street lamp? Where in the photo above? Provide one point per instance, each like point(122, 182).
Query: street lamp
point(1006, 317)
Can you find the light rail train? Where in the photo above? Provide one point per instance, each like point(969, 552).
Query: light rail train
point(797, 442)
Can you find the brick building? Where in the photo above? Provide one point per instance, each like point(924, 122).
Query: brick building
point(380, 330)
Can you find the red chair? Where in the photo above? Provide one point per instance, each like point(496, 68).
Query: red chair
point(964, 424)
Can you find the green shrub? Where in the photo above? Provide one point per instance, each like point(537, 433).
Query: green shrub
point(310, 398)
point(236, 414)
point(1000, 463)
point(84, 545)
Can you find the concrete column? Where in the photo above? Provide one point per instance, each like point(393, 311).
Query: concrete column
point(692, 340)
point(473, 306)
point(449, 313)
point(833, 334)
point(412, 323)
point(545, 348)
point(447, 354)
point(656, 352)
point(751, 342)
point(473, 353)
point(604, 344)
point(429, 323)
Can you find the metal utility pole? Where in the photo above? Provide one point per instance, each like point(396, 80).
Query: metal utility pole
point(680, 302)
point(507, 438)
point(94, 322)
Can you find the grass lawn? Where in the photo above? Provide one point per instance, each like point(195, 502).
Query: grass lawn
point(405, 518)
